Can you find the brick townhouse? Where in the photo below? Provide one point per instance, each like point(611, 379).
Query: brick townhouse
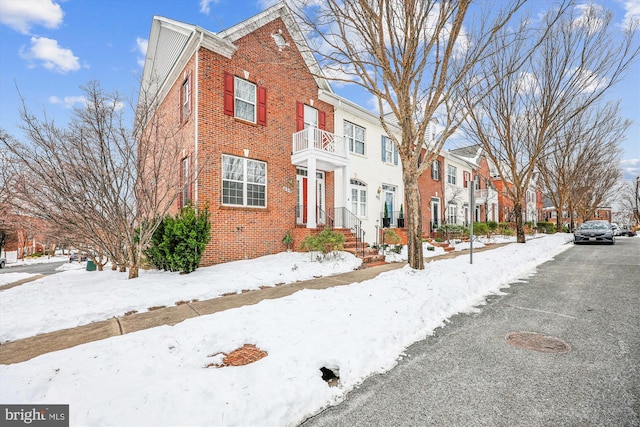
point(271, 149)
point(258, 126)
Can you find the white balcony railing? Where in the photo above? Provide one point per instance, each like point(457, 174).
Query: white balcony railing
point(320, 140)
point(481, 195)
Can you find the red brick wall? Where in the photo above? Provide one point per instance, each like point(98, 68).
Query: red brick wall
point(241, 233)
point(429, 188)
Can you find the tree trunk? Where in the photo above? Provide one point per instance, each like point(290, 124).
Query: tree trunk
point(414, 220)
point(133, 261)
point(559, 217)
point(133, 272)
point(517, 211)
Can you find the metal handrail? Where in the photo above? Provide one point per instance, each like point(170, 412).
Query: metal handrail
point(344, 218)
point(339, 218)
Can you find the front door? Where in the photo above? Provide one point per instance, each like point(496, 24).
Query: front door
point(302, 191)
point(389, 198)
point(435, 213)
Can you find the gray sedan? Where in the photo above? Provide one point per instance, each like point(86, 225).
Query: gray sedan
point(594, 232)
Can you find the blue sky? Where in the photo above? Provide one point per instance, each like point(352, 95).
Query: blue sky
point(49, 48)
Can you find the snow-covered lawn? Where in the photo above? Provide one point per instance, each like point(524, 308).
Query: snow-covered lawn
point(158, 376)
point(76, 297)
point(6, 278)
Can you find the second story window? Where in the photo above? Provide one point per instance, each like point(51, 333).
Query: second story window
point(435, 170)
point(245, 100)
point(389, 151)
point(355, 136)
point(310, 117)
point(185, 99)
point(451, 174)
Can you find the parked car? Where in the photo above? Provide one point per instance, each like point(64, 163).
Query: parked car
point(626, 230)
point(3, 262)
point(74, 257)
point(594, 232)
point(616, 229)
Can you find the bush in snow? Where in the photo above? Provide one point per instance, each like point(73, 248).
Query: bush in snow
point(325, 242)
point(178, 243)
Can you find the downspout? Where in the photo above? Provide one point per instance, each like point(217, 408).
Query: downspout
point(195, 137)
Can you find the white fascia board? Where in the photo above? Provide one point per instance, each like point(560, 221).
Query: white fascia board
point(195, 37)
point(470, 162)
point(351, 107)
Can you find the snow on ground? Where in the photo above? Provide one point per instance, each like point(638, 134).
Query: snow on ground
point(7, 278)
point(37, 260)
point(76, 297)
point(158, 376)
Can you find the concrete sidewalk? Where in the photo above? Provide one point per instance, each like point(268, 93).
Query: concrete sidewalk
point(28, 348)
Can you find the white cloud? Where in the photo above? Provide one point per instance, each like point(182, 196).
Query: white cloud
point(80, 101)
point(53, 57)
point(204, 5)
point(68, 101)
point(22, 14)
point(141, 47)
point(632, 10)
point(630, 168)
point(265, 4)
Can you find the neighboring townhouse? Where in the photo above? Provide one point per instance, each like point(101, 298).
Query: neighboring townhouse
point(486, 196)
point(431, 187)
point(457, 173)
point(601, 213)
point(373, 175)
point(550, 214)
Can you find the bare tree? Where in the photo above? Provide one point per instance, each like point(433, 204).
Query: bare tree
point(99, 186)
point(569, 65)
point(626, 202)
point(408, 54)
point(589, 140)
point(596, 186)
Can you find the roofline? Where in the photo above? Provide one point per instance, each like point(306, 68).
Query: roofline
point(282, 11)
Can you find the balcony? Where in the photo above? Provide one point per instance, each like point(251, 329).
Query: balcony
point(481, 195)
point(329, 150)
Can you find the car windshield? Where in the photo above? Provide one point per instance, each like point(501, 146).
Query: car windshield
point(594, 226)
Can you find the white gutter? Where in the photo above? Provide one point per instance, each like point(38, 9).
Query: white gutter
point(196, 128)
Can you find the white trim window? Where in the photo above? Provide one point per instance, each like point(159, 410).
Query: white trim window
point(435, 170)
point(388, 150)
point(355, 136)
point(244, 182)
point(451, 174)
point(186, 99)
point(452, 213)
point(245, 100)
point(358, 198)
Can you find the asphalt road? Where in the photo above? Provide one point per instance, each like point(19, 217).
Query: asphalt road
point(468, 375)
point(44, 268)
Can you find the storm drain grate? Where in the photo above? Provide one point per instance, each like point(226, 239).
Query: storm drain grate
point(537, 342)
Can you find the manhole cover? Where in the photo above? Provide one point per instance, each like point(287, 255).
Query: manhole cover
point(537, 342)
